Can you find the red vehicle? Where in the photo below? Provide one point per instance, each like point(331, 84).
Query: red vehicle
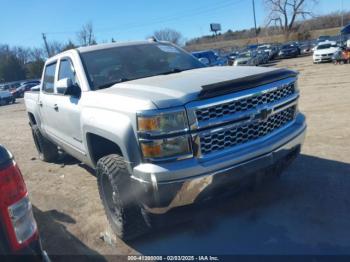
point(18, 229)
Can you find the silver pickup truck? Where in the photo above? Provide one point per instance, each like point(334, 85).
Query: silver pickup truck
point(161, 129)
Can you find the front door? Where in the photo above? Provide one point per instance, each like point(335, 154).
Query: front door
point(69, 108)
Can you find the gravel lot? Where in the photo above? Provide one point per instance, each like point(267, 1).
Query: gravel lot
point(307, 211)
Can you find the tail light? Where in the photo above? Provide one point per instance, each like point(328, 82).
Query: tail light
point(15, 208)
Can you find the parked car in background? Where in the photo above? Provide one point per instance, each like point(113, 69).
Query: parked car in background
point(6, 96)
point(232, 57)
point(270, 49)
point(263, 56)
point(26, 86)
point(323, 38)
point(324, 51)
point(247, 58)
point(213, 59)
point(306, 48)
point(35, 88)
point(13, 88)
point(18, 229)
point(288, 50)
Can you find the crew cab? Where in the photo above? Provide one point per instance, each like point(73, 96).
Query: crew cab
point(161, 129)
point(18, 229)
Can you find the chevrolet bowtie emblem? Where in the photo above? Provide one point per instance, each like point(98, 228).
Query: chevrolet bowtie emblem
point(263, 114)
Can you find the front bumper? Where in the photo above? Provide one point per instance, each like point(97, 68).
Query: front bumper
point(318, 59)
point(161, 188)
point(6, 100)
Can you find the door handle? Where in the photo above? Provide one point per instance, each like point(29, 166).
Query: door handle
point(55, 106)
point(40, 103)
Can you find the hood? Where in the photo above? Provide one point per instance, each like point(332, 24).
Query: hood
point(180, 88)
point(326, 51)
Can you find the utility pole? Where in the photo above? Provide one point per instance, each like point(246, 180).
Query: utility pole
point(46, 45)
point(342, 14)
point(256, 32)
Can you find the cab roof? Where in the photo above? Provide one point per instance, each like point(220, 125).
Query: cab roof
point(85, 49)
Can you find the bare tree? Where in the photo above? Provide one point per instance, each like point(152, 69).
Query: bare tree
point(86, 35)
point(284, 13)
point(55, 47)
point(168, 34)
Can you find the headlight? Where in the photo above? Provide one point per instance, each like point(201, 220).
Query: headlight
point(163, 135)
point(166, 147)
point(162, 123)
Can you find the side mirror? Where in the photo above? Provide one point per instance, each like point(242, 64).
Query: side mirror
point(204, 61)
point(65, 86)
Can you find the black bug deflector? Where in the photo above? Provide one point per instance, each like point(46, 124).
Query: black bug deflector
point(231, 86)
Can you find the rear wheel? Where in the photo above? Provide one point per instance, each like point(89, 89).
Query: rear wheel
point(123, 212)
point(48, 151)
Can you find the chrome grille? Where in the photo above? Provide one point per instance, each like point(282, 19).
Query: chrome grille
point(220, 140)
point(244, 104)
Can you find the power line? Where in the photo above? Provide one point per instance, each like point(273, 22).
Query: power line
point(198, 11)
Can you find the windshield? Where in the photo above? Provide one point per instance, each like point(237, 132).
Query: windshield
point(326, 46)
point(124, 63)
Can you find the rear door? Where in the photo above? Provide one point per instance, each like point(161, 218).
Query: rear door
point(47, 100)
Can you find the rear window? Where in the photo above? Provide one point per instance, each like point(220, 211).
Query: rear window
point(49, 78)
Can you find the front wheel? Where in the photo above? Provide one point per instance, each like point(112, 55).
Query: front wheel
point(123, 212)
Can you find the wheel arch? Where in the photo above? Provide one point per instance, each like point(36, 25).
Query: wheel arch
point(99, 146)
point(32, 119)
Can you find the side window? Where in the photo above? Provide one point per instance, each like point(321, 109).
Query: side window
point(49, 78)
point(66, 71)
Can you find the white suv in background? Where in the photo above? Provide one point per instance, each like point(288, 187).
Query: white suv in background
point(324, 51)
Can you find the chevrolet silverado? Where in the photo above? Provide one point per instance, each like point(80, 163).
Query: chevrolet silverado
point(161, 129)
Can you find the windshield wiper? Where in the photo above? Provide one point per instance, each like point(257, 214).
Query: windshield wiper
point(120, 80)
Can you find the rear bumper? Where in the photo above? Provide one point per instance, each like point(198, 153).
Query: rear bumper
point(161, 194)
